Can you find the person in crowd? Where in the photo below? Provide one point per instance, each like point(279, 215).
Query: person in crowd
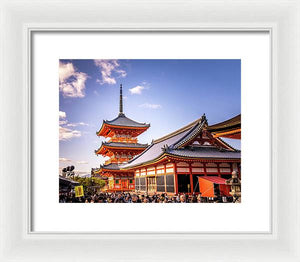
point(136, 197)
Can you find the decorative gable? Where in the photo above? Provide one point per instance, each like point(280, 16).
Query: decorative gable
point(205, 138)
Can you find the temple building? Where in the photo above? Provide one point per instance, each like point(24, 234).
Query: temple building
point(193, 159)
point(121, 146)
point(191, 156)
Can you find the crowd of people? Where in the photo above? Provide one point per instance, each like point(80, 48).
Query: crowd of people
point(133, 197)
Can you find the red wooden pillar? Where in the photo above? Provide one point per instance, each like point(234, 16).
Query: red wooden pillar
point(155, 174)
point(175, 178)
point(191, 179)
point(219, 172)
point(204, 167)
point(146, 178)
point(165, 180)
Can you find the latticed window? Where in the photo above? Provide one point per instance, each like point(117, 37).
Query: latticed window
point(170, 183)
point(151, 184)
point(160, 181)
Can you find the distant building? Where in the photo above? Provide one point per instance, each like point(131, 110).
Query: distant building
point(66, 185)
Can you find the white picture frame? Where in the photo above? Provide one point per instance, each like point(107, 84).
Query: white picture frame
point(18, 19)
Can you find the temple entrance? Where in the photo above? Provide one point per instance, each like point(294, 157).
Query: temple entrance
point(184, 185)
point(151, 184)
point(217, 190)
point(124, 184)
point(196, 183)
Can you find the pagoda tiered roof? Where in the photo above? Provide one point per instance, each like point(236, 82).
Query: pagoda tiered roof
point(104, 170)
point(119, 145)
point(127, 145)
point(111, 166)
point(122, 122)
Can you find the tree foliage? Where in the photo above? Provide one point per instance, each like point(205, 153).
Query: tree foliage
point(89, 181)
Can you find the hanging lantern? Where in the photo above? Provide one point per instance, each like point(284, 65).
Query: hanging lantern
point(235, 184)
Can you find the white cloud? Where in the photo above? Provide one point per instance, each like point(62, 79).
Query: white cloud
point(77, 124)
point(63, 122)
point(137, 90)
point(71, 82)
point(62, 114)
point(71, 125)
point(82, 162)
point(151, 106)
point(122, 73)
point(63, 159)
point(65, 71)
point(83, 124)
point(109, 70)
point(67, 133)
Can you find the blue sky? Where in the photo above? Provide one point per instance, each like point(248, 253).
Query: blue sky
point(168, 94)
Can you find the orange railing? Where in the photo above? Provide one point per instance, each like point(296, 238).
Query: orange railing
point(124, 139)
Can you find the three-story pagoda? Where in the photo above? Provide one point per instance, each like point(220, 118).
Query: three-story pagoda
point(121, 146)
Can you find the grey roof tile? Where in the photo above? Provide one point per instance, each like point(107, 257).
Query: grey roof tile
point(170, 145)
point(205, 152)
point(154, 150)
point(233, 122)
point(122, 120)
point(120, 144)
point(191, 134)
point(111, 166)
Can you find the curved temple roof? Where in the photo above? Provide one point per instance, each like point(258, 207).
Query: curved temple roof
point(154, 150)
point(206, 152)
point(230, 123)
point(120, 144)
point(112, 166)
point(122, 120)
point(171, 144)
point(230, 128)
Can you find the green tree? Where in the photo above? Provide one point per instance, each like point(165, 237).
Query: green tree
point(87, 182)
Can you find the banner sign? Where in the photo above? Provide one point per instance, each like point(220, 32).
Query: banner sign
point(79, 191)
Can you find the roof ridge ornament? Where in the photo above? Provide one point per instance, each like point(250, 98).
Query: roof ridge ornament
point(121, 102)
point(203, 119)
point(165, 148)
point(194, 131)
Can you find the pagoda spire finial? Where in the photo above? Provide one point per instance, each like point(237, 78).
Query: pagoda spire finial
point(121, 102)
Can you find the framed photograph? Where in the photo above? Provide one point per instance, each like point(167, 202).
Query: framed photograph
point(193, 164)
point(138, 130)
point(122, 131)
